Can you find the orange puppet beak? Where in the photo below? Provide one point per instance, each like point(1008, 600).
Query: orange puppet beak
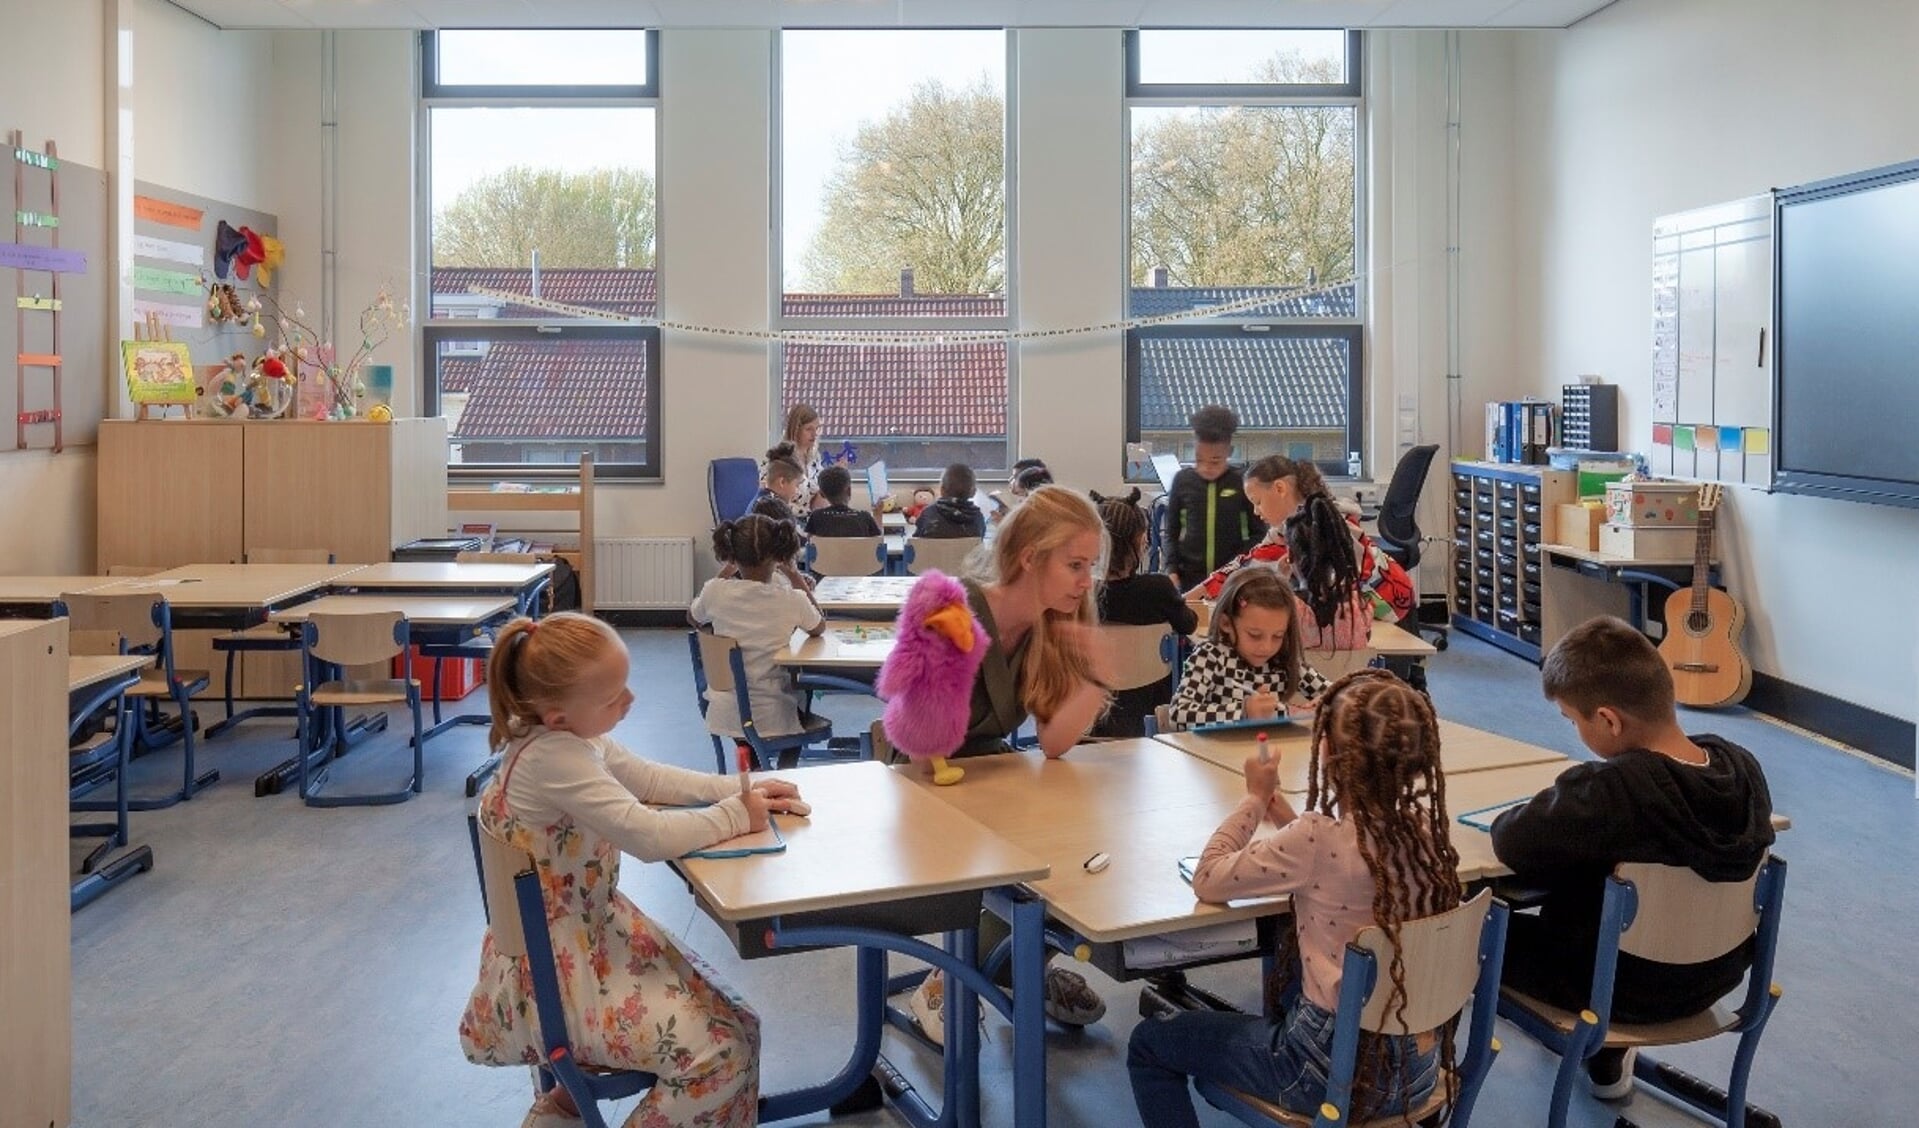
point(956, 623)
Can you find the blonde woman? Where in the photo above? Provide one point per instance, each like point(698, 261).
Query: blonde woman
point(803, 431)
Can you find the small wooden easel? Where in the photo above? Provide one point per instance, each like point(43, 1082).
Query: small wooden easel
point(151, 328)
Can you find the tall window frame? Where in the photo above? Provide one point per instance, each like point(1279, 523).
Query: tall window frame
point(457, 334)
point(918, 326)
point(1285, 319)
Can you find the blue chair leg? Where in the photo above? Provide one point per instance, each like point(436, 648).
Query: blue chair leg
point(227, 689)
point(419, 740)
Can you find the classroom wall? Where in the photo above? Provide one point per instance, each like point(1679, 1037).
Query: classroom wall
point(1655, 106)
point(207, 97)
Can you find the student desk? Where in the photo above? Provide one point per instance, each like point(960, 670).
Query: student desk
point(94, 680)
point(32, 597)
point(1568, 578)
point(1462, 749)
point(879, 862)
point(841, 649)
point(441, 578)
point(864, 597)
point(431, 619)
point(231, 596)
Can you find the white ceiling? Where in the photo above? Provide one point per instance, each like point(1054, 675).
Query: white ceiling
point(239, 14)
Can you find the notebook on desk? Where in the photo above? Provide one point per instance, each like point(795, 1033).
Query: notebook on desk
point(1482, 819)
point(1243, 724)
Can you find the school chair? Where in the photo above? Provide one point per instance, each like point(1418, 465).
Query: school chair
point(1397, 528)
point(1672, 915)
point(262, 638)
point(731, 486)
point(846, 556)
point(948, 554)
point(95, 759)
point(1449, 959)
point(1138, 656)
point(336, 642)
point(720, 762)
point(725, 671)
point(511, 897)
point(142, 623)
point(530, 602)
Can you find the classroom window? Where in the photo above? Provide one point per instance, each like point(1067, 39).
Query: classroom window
point(893, 173)
point(1245, 224)
point(539, 199)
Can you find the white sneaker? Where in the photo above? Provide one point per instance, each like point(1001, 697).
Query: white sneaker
point(1607, 1084)
point(1069, 1001)
point(928, 1006)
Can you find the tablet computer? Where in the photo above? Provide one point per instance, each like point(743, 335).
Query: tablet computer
point(1242, 724)
point(877, 486)
point(1166, 466)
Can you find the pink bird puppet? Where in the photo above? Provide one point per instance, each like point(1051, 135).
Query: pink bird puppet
point(927, 681)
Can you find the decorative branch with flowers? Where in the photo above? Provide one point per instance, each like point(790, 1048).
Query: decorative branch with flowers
point(312, 354)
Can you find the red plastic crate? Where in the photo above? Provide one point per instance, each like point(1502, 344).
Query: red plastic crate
point(458, 676)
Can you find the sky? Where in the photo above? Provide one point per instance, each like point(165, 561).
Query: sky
point(831, 82)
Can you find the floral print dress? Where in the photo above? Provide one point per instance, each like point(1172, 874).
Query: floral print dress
point(634, 999)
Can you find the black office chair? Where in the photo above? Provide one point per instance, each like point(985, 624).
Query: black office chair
point(1397, 531)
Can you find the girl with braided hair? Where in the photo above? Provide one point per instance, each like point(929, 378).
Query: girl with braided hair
point(1131, 596)
point(1370, 849)
point(762, 616)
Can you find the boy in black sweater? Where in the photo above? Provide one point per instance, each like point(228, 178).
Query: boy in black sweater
point(954, 514)
point(1655, 795)
point(837, 518)
point(1209, 520)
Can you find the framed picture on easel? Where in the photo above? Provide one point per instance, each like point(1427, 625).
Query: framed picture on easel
point(159, 374)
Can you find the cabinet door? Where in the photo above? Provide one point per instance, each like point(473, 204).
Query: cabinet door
point(171, 493)
point(321, 485)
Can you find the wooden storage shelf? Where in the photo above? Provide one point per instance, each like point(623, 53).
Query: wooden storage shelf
point(577, 499)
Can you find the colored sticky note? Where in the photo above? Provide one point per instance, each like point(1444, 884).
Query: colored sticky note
point(171, 214)
point(1682, 437)
point(39, 360)
point(1705, 438)
point(1758, 440)
point(165, 281)
point(1731, 438)
point(37, 160)
point(1662, 434)
point(172, 250)
point(178, 316)
point(22, 256)
point(49, 305)
point(35, 219)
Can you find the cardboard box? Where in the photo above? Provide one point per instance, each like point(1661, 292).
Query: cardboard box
point(1672, 545)
point(1652, 504)
point(458, 676)
point(1577, 526)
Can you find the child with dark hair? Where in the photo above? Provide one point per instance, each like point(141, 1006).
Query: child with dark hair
point(1133, 597)
point(1253, 660)
point(954, 514)
point(761, 616)
point(1371, 848)
point(1209, 519)
point(784, 479)
point(1655, 795)
point(837, 518)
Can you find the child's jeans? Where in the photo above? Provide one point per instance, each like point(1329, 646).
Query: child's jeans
point(1285, 1062)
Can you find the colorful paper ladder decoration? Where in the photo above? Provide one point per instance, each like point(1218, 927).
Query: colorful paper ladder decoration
point(25, 303)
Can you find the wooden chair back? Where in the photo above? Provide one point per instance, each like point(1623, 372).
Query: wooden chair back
point(289, 556)
point(93, 642)
point(846, 556)
point(1163, 718)
point(948, 554)
point(1137, 656)
point(356, 639)
point(1682, 918)
point(716, 658)
point(1440, 954)
point(497, 558)
point(132, 616)
point(500, 863)
point(133, 569)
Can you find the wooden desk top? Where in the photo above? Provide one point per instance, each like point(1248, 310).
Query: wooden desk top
point(428, 610)
point(841, 647)
point(235, 585)
point(423, 574)
point(863, 593)
point(21, 626)
point(1606, 560)
point(1141, 802)
point(46, 589)
point(1472, 791)
point(873, 837)
point(84, 670)
point(1462, 750)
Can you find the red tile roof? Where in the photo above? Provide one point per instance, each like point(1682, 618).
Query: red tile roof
point(871, 392)
point(632, 292)
point(559, 389)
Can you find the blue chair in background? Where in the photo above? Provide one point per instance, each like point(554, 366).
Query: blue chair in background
point(724, 668)
point(731, 486)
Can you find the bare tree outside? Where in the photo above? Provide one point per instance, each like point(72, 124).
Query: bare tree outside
point(1246, 195)
point(922, 187)
point(599, 218)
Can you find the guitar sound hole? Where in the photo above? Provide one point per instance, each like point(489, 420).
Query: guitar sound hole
point(1698, 621)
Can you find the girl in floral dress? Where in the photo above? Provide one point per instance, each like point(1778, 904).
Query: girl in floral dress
point(576, 800)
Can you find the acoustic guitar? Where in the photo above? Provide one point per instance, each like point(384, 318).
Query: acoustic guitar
point(1702, 628)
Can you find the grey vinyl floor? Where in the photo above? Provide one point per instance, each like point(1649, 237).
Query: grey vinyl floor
point(303, 968)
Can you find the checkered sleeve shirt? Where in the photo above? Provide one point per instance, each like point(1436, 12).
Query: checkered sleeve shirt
point(1215, 682)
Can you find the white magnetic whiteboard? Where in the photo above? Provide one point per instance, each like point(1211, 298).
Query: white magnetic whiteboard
point(1712, 385)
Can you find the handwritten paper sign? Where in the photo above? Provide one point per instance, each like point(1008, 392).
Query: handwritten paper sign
point(171, 214)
